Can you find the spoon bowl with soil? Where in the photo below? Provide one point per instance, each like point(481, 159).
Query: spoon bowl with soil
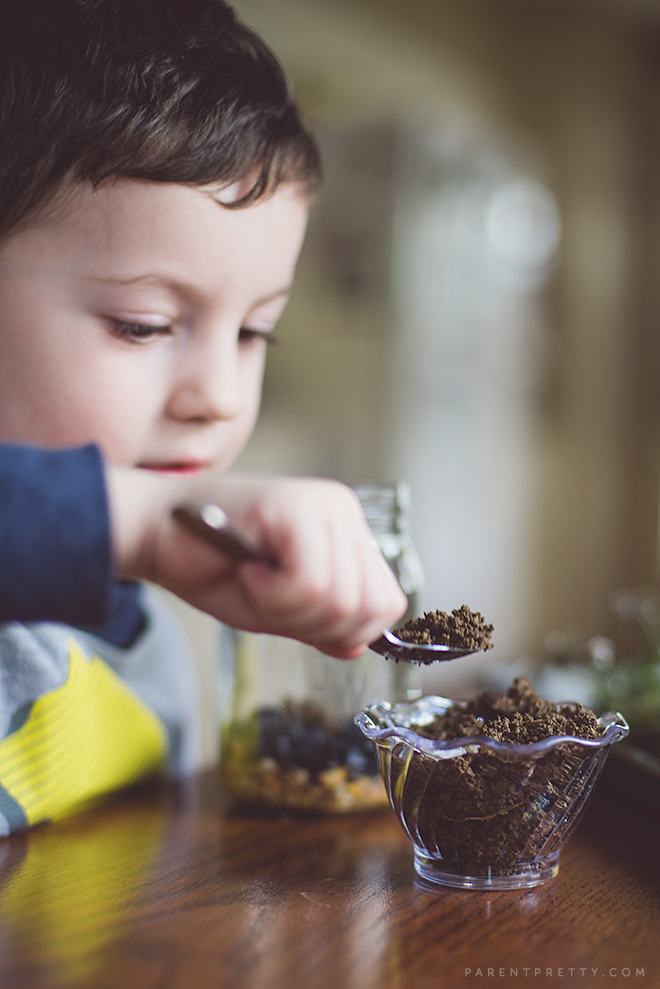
point(437, 636)
point(489, 790)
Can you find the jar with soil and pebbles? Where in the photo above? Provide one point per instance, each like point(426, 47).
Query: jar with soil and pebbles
point(287, 734)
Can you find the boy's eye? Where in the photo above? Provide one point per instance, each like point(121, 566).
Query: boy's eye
point(247, 336)
point(138, 332)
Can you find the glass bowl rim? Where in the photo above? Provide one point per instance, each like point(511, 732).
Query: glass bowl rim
point(393, 718)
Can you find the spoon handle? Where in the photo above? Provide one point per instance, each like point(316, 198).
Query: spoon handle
point(209, 522)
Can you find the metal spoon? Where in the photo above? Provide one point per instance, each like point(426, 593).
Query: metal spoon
point(391, 647)
point(209, 522)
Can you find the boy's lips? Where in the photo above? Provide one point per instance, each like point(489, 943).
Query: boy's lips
point(178, 467)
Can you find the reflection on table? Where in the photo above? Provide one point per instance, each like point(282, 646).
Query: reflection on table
point(169, 886)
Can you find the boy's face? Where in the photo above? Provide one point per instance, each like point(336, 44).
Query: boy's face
point(135, 316)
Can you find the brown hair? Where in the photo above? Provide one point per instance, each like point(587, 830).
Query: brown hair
point(164, 90)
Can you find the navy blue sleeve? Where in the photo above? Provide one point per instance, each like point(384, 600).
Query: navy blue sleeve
point(55, 548)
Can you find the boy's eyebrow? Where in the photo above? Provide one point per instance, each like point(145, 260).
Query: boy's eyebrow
point(182, 288)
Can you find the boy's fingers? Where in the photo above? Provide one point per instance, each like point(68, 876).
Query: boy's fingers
point(362, 599)
point(332, 589)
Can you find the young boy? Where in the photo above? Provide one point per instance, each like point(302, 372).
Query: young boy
point(154, 188)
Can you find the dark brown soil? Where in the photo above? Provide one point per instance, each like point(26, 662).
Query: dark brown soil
point(463, 629)
point(520, 716)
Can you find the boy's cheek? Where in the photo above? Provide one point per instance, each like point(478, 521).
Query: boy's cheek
point(71, 405)
point(239, 431)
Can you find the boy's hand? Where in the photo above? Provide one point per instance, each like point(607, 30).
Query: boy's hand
point(332, 590)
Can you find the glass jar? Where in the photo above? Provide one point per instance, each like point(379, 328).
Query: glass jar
point(287, 735)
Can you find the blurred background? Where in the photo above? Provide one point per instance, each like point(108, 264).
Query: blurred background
point(476, 308)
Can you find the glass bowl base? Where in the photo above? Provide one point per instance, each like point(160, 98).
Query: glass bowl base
point(521, 875)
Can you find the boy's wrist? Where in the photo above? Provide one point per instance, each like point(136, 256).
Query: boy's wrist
point(139, 503)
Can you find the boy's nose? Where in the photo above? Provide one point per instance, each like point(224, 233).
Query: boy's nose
point(208, 385)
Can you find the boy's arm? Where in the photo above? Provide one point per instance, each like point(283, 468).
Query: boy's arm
point(55, 549)
point(332, 589)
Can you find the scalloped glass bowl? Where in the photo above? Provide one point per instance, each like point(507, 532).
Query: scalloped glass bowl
point(484, 814)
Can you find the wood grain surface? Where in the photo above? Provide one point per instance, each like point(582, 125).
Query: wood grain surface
point(168, 887)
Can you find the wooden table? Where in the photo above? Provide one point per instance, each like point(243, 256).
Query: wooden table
point(165, 887)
